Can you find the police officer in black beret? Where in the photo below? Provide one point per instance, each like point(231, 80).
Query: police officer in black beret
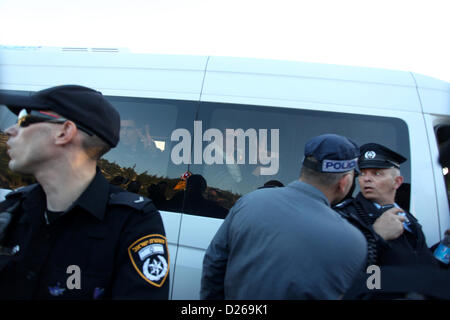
point(73, 235)
point(394, 236)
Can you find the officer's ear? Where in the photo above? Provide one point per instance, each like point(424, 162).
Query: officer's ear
point(341, 188)
point(345, 183)
point(65, 133)
point(398, 181)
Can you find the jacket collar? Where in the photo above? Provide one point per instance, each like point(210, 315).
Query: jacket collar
point(95, 198)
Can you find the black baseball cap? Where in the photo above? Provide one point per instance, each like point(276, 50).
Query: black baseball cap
point(82, 105)
point(374, 155)
point(334, 153)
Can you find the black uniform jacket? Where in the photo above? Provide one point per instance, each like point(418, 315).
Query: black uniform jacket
point(406, 264)
point(408, 249)
point(109, 244)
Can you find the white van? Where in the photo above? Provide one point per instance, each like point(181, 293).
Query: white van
point(236, 124)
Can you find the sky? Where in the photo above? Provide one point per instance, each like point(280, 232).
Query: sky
point(412, 35)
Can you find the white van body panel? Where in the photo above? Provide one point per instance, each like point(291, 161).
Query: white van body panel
point(190, 254)
point(434, 94)
point(419, 101)
point(155, 76)
point(171, 221)
point(290, 81)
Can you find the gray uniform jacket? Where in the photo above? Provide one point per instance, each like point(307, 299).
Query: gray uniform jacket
point(283, 243)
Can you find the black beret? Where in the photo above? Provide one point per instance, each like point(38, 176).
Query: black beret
point(82, 105)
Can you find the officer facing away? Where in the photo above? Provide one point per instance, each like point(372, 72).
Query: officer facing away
point(287, 243)
point(73, 235)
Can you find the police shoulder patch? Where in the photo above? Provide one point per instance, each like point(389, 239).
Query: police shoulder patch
point(150, 257)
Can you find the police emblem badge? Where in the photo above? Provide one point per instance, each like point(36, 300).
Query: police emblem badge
point(370, 155)
point(150, 257)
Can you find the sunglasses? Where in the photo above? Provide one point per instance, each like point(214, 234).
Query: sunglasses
point(27, 117)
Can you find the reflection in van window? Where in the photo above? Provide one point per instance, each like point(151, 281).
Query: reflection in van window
point(141, 162)
point(264, 144)
point(196, 200)
point(144, 136)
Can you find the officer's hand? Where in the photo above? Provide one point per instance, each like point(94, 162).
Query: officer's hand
point(389, 225)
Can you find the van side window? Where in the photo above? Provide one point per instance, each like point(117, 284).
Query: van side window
point(141, 162)
point(443, 139)
point(247, 147)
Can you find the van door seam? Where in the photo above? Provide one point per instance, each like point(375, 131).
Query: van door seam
point(431, 156)
point(188, 169)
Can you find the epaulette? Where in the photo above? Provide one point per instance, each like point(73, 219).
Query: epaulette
point(129, 199)
point(343, 204)
point(21, 191)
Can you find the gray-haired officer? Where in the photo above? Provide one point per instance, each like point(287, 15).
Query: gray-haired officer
point(395, 239)
point(400, 240)
point(287, 243)
point(73, 235)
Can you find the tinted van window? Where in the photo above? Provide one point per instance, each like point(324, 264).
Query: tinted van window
point(141, 162)
point(247, 147)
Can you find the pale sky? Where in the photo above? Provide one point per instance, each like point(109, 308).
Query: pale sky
point(410, 35)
